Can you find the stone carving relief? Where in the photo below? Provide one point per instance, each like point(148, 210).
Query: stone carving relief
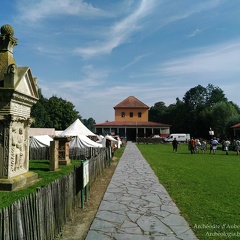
point(18, 146)
point(1, 134)
point(11, 68)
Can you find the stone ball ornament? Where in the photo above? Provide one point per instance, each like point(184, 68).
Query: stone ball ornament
point(7, 30)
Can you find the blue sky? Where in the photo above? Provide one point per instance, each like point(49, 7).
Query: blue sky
point(96, 53)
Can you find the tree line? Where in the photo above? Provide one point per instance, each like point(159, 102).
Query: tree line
point(200, 109)
point(56, 113)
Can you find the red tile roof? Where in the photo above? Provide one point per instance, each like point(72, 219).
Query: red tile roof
point(236, 125)
point(131, 102)
point(129, 123)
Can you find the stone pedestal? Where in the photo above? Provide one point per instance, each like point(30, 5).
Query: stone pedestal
point(18, 182)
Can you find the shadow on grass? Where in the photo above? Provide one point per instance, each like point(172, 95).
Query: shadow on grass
point(39, 165)
point(40, 161)
point(39, 169)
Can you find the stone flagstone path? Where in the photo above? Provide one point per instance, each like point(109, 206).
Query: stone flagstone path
point(136, 206)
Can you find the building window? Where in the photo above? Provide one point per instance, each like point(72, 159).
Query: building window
point(131, 114)
point(139, 114)
point(123, 114)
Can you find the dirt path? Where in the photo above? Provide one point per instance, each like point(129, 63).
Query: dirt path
point(77, 227)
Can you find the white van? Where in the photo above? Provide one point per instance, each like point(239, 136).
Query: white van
point(180, 137)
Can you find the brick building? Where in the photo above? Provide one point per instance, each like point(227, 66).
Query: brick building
point(131, 121)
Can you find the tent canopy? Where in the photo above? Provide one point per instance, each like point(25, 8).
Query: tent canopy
point(82, 141)
point(77, 128)
point(39, 147)
point(40, 141)
point(107, 137)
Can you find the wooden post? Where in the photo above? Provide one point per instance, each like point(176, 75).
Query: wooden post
point(54, 155)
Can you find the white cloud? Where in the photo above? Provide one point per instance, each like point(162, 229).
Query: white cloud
point(134, 61)
point(33, 11)
point(194, 33)
point(91, 79)
point(219, 59)
point(180, 12)
point(119, 32)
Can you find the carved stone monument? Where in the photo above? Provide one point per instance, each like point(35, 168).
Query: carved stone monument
point(18, 93)
point(63, 150)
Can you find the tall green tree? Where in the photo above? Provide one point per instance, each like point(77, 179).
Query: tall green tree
point(195, 98)
point(200, 109)
point(157, 112)
point(61, 113)
point(39, 111)
point(53, 113)
point(198, 101)
point(222, 115)
point(214, 95)
point(89, 123)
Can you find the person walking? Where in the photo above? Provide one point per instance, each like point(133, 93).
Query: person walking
point(197, 145)
point(192, 145)
point(226, 144)
point(214, 144)
point(237, 145)
point(175, 145)
point(203, 146)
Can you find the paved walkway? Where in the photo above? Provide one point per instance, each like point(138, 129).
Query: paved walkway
point(136, 206)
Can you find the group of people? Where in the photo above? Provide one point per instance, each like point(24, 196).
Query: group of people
point(196, 144)
point(200, 145)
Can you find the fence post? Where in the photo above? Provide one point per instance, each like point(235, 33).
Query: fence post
point(85, 181)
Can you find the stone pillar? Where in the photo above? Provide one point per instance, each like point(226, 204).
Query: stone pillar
point(63, 150)
point(54, 145)
point(18, 93)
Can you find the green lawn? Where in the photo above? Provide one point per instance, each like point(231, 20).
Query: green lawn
point(45, 177)
point(205, 187)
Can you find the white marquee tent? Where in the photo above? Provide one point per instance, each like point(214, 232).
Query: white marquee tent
point(82, 141)
point(39, 147)
point(40, 141)
point(79, 132)
point(107, 137)
point(77, 128)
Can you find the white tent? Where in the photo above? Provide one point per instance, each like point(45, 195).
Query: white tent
point(82, 141)
point(40, 141)
point(82, 147)
point(107, 137)
point(77, 128)
point(39, 147)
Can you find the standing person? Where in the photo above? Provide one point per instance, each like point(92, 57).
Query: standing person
point(237, 145)
point(175, 145)
point(192, 145)
point(214, 144)
point(203, 146)
point(197, 145)
point(226, 144)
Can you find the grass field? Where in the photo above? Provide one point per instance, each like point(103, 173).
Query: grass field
point(205, 187)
